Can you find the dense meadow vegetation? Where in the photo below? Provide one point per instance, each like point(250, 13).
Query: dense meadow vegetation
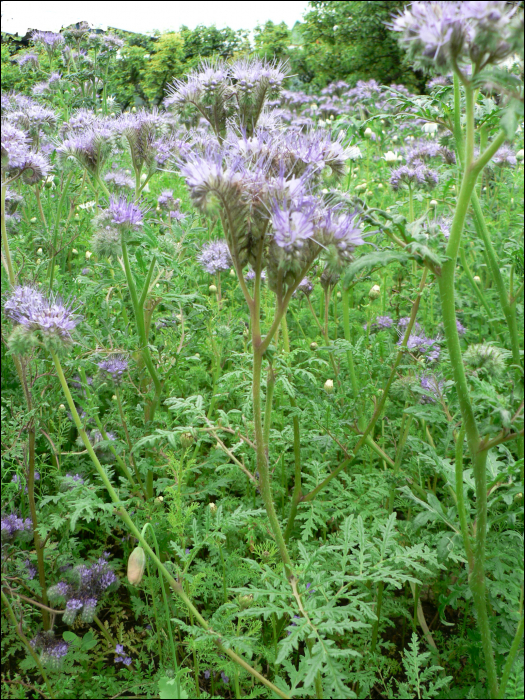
point(262, 374)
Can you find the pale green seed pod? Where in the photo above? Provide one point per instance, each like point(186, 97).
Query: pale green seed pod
point(136, 566)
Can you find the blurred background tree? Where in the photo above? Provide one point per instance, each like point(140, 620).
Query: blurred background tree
point(351, 41)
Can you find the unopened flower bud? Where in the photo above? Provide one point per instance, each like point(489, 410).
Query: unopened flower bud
point(313, 346)
point(329, 386)
point(74, 251)
point(232, 272)
point(61, 407)
point(213, 508)
point(433, 203)
point(212, 288)
point(380, 186)
point(88, 254)
point(245, 601)
point(159, 499)
point(136, 566)
point(477, 279)
point(186, 440)
point(38, 261)
point(33, 219)
point(375, 292)
point(368, 131)
point(519, 154)
point(114, 397)
point(39, 251)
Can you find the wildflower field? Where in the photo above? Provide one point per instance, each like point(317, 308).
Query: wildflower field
point(262, 374)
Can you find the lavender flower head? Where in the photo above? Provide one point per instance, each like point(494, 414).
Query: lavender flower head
point(443, 35)
point(120, 657)
point(114, 367)
point(421, 345)
point(505, 156)
point(305, 286)
point(49, 40)
point(119, 179)
point(15, 526)
point(384, 322)
point(215, 257)
point(52, 649)
point(433, 387)
point(28, 59)
point(83, 590)
point(124, 213)
point(417, 176)
point(39, 320)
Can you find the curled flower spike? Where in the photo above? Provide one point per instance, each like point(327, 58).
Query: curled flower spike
point(52, 649)
point(443, 35)
point(39, 320)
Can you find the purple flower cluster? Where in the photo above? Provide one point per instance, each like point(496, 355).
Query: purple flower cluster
point(446, 34)
point(49, 320)
point(125, 213)
point(421, 345)
point(215, 257)
point(84, 589)
point(52, 649)
point(49, 40)
point(13, 526)
point(417, 176)
point(382, 322)
point(505, 156)
point(423, 150)
point(119, 179)
point(120, 657)
point(114, 367)
point(433, 387)
point(17, 156)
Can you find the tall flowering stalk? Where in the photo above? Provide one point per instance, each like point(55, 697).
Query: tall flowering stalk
point(262, 184)
point(450, 36)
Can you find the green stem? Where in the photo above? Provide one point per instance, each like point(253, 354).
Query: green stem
point(164, 598)
point(5, 241)
point(25, 642)
point(446, 289)
point(460, 500)
point(516, 643)
point(174, 585)
point(348, 338)
point(58, 221)
point(270, 386)
point(297, 489)
point(506, 305)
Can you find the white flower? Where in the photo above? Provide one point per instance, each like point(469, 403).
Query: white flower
point(390, 157)
point(88, 205)
point(321, 122)
point(88, 254)
point(430, 128)
point(354, 152)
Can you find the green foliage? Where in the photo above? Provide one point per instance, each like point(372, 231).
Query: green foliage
point(350, 41)
point(163, 66)
point(272, 41)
